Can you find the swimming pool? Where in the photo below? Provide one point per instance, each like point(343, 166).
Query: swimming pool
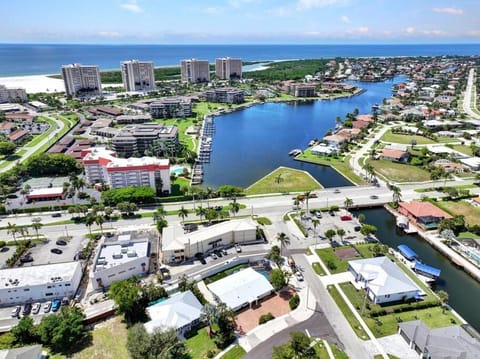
point(263, 272)
point(177, 171)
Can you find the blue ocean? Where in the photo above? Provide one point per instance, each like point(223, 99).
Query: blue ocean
point(36, 59)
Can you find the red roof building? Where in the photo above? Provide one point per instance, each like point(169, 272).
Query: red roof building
point(424, 214)
point(391, 154)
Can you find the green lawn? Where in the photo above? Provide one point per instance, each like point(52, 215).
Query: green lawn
point(432, 317)
point(471, 213)
point(468, 235)
point(340, 165)
point(200, 344)
point(463, 149)
point(283, 180)
point(237, 352)
point(337, 265)
point(318, 268)
point(352, 320)
point(399, 172)
point(225, 273)
point(407, 139)
point(109, 341)
point(38, 138)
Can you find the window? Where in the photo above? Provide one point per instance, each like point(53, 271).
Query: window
point(121, 272)
point(26, 289)
point(67, 285)
point(111, 275)
point(48, 294)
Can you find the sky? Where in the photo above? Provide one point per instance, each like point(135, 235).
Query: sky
point(240, 21)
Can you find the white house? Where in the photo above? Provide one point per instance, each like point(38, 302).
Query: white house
point(181, 312)
point(241, 289)
point(38, 283)
point(384, 280)
point(177, 246)
point(120, 259)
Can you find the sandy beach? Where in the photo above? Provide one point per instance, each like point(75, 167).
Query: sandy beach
point(34, 83)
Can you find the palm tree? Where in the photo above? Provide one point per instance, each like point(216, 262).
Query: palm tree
point(13, 230)
point(369, 170)
point(99, 220)
point(341, 233)
point(234, 207)
point(209, 314)
point(201, 212)
point(307, 196)
point(89, 220)
point(443, 296)
point(208, 194)
point(330, 233)
point(396, 194)
point(284, 240)
point(348, 202)
point(315, 223)
point(182, 213)
point(36, 226)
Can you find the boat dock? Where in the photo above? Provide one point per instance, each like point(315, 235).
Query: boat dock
point(204, 149)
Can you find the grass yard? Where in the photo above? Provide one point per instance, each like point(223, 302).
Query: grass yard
point(352, 320)
point(318, 268)
point(432, 317)
point(407, 139)
point(467, 150)
point(398, 172)
point(471, 213)
point(335, 264)
point(200, 344)
point(282, 180)
point(340, 165)
point(225, 273)
point(468, 235)
point(109, 340)
point(237, 352)
point(183, 124)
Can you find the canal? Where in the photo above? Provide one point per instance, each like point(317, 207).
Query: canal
point(463, 291)
point(250, 143)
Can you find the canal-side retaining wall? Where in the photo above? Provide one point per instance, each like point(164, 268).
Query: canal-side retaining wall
point(445, 250)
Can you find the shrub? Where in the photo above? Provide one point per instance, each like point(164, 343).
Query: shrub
point(265, 318)
point(3, 244)
point(294, 302)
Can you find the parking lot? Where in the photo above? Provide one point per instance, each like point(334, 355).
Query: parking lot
point(42, 253)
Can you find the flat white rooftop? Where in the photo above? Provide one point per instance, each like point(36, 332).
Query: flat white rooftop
point(133, 161)
point(38, 275)
point(54, 191)
point(116, 253)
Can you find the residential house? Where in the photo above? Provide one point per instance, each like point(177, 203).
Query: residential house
point(18, 136)
point(395, 155)
point(423, 214)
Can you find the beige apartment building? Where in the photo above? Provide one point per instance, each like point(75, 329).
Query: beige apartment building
point(227, 68)
point(194, 70)
point(81, 80)
point(138, 75)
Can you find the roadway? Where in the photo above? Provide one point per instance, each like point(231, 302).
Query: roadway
point(467, 99)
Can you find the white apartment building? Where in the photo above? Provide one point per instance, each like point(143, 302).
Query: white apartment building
point(102, 165)
point(194, 70)
point(227, 68)
point(81, 80)
point(12, 94)
point(120, 259)
point(37, 283)
point(138, 75)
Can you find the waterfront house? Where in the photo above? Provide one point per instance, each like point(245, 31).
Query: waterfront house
point(18, 136)
point(383, 280)
point(395, 155)
point(181, 312)
point(424, 214)
point(439, 343)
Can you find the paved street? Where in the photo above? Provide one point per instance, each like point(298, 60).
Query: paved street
point(467, 100)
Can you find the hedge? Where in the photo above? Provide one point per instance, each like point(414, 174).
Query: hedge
point(265, 318)
point(294, 302)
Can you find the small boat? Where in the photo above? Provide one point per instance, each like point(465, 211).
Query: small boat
point(294, 152)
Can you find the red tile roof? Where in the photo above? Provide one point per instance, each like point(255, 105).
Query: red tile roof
point(423, 209)
point(392, 153)
point(17, 134)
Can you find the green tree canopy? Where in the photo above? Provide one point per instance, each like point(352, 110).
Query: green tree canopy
point(277, 278)
point(141, 194)
point(7, 148)
point(51, 164)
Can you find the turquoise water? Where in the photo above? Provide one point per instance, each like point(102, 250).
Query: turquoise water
point(264, 273)
point(177, 171)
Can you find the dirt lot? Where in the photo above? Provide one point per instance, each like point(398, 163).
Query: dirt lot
point(276, 304)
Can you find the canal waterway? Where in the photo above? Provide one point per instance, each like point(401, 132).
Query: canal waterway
point(463, 291)
point(250, 143)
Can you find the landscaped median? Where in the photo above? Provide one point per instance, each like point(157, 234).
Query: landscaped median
point(381, 319)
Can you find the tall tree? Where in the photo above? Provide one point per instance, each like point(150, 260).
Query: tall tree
point(200, 212)
point(89, 220)
point(13, 230)
point(182, 213)
point(307, 197)
point(330, 233)
point(284, 241)
point(99, 220)
point(348, 202)
point(341, 233)
point(36, 227)
point(209, 315)
point(396, 194)
point(234, 207)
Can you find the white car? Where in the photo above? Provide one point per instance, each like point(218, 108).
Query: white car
point(36, 308)
point(214, 256)
point(238, 248)
point(299, 276)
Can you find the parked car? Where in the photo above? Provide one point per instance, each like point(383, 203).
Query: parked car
point(202, 260)
point(26, 258)
point(318, 214)
point(332, 213)
point(36, 308)
point(214, 256)
point(336, 191)
point(61, 242)
point(56, 215)
point(65, 301)
point(299, 276)
point(56, 251)
point(47, 306)
point(357, 228)
point(346, 218)
point(218, 253)
point(238, 248)
point(373, 196)
point(27, 308)
point(16, 311)
point(4, 249)
point(224, 251)
point(56, 305)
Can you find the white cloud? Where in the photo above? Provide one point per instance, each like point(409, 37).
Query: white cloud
point(113, 34)
point(448, 10)
point(309, 4)
point(280, 11)
point(213, 10)
point(411, 31)
point(362, 30)
point(237, 3)
point(345, 19)
point(132, 6)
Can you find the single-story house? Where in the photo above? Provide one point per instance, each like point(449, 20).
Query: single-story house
point(28, 352)
point(335, 140)
point(240, 289)
point(391, 154)
point(322, 149)
point(424, 214)
point(472, 162)
point(18, 136)
point(439, 343)
point(383, 280)
point(181, 312)
point(449, 166)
